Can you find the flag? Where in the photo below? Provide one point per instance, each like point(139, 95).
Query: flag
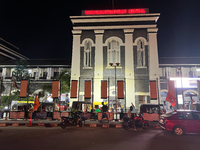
point(15, 84)
point(192, 101)
point(36, 104)
point(171, 95)
point(170, 98)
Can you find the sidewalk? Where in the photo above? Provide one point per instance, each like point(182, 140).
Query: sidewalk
point(53, 123)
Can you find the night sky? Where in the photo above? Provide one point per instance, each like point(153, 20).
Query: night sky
point(42, 29)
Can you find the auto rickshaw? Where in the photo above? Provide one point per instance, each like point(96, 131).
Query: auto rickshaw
point(151, 112)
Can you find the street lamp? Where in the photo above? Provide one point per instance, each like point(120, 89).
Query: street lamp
point(115, 65)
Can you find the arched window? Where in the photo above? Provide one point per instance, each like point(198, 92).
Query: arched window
point(140, 53)
point(87, 54)
point(113, 52)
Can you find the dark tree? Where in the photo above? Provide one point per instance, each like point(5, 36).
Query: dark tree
point(20, 71)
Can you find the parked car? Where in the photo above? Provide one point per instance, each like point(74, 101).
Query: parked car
point(181, 121)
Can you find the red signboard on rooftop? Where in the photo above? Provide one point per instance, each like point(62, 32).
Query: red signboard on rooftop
point(115, 11)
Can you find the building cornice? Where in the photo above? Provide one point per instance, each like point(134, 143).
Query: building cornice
point(114, 19)
point(113, 27)
point(115, 16)
point(76, 32)
point(98, 31)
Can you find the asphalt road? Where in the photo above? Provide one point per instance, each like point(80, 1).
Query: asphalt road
point(87, 138)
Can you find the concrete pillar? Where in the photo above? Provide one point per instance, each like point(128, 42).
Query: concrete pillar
point(4, 73)
point(98, 70)
point(75, 67)
point(49, 73)
point(129, 67)
point(37, 73)
point(153, 56)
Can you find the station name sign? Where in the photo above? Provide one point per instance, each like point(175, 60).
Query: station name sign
point(116, 11)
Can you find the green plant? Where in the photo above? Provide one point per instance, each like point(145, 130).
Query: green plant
point(20, 71)
point(64, 78)
point(14, 96)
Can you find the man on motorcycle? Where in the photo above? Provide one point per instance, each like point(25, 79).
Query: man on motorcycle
point(131, 118)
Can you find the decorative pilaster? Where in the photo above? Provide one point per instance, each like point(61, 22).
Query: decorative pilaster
point(153, 54)
point(153, 58)
point(98, 70)
point(129, 67)
point(75, 68)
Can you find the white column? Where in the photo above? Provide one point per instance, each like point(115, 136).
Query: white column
point(37, 73)
point(153, 56)
point(4, 72)
point(75, 65)
point(129, 67)
point(98, 70)
point(48, 73)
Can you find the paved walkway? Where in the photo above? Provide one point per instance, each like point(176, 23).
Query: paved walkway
point(52, 123)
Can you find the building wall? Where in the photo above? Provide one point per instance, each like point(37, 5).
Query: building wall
point(168, 71)
point(136, 78)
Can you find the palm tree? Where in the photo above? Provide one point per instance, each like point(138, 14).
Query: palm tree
point(64, 78)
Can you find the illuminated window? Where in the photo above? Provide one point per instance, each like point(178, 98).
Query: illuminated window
point(141, 99)
point(113, 52)
point(87, 54)
point(162, 72)
point(140, 53)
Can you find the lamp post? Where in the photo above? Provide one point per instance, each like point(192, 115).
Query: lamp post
point(115, 65)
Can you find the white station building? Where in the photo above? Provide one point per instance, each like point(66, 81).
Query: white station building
point(115, 57)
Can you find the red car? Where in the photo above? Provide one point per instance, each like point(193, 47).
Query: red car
point(181, 121)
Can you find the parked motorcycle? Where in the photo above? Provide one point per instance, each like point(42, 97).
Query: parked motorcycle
point(139, 123)
point(73, 121)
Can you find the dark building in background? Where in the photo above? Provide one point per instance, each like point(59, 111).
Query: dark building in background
point(40, 70)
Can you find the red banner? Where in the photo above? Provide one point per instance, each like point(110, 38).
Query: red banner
point(74, 89)
point(104, 89)
point(23, 88)
point(55, 89)
point(171, 88)
point(153, 90)
point(120, 89)
point(87, 89)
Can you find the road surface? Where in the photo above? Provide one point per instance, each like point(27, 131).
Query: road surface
point(87, 138)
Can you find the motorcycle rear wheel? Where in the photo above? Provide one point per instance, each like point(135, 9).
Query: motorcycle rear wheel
point(145, 126)
point(125, 125)
point(80, 123)
point(63, 126)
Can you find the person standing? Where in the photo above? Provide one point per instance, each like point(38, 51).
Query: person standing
point(97, 110)
point(104, 110)
point(130, 116)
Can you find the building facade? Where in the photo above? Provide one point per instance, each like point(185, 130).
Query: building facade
point(41, 71)
point(114, 57)
point(185, 72)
